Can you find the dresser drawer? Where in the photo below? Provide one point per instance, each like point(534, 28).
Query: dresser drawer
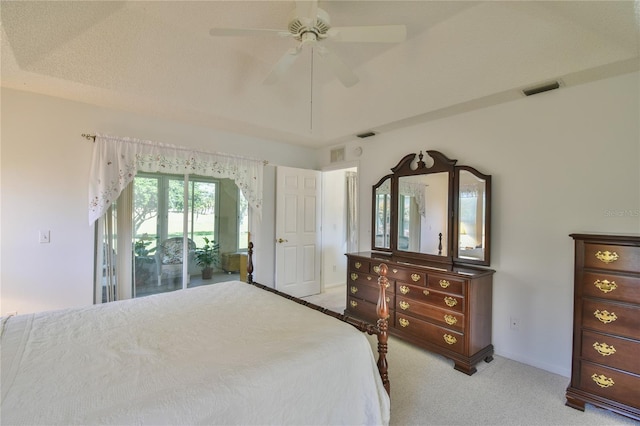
point(610, 383)
point(440, 336)
point(366, 310)
point(444, 283)
point(431, 297)
point(612, 318)
point(368, 291)
point(407, 275)
point(454, 320)
point(354, 277)
point(612, 257)
point(625, 288)
point(359, 265)
point(611, 351)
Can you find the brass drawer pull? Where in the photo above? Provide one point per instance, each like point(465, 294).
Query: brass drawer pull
point(354, 289)
point(603, 381)
point(605, 286)
point(353, 304)
point(449, 339)
point(404, 289)
point(604, 349)
point(358, 265)
point(395, 271)
point(415, 277)
point(425, 292)
point(368, 278)
point(604, 316)
point(403, 322)
point(450, 319)
point(388, 299)
point(606, 256)
point(444, 283)
point(450, 301)
point(354, 276)
point(376, 269)
point(404, 305)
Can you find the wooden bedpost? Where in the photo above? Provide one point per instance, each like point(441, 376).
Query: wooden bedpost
point(250, 263)
point(382, 310)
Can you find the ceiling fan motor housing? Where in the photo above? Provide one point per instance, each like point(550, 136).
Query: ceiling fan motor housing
point(306, 33)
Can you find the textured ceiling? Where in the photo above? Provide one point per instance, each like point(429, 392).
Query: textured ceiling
point(158, 58)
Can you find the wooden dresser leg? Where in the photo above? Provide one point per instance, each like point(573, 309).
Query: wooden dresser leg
point(575, 403)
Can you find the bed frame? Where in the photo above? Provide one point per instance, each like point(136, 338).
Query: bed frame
point(380, 329)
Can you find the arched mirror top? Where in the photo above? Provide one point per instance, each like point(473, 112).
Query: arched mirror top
point(429, 209)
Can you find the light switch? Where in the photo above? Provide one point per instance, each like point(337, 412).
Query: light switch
point(44, 237)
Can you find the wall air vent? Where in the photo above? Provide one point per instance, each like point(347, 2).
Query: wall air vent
point(366, 135)
point(337, 155)
point(542, 88)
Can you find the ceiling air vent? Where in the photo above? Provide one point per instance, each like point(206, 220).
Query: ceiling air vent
point(366, 135)
point(542, 88)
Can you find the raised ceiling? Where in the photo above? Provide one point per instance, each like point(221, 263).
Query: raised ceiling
point(157, 58)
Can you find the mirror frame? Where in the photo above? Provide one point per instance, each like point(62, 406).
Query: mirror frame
point(411, 165)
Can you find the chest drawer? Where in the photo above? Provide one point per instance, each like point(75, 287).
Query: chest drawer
point(612, 257)
point(444, 283)
point(612, 351)
point(611, 384)
point(454, 320)
point(625, 288)
point(440, 336)
point(612, 318)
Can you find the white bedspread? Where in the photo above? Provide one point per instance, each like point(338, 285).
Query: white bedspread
point(227, 353)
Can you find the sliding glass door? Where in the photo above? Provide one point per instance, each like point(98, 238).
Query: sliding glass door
point(169, 232)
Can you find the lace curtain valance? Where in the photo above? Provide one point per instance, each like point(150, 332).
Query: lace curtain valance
point(117, 160)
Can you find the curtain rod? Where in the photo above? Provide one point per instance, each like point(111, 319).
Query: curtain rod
point(92, 138)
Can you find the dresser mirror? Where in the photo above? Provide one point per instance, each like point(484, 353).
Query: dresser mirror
point(430, 209)
point(382, 214)
point(472, 205)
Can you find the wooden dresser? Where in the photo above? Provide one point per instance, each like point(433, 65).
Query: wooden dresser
point(605, 368)
point(444, 310)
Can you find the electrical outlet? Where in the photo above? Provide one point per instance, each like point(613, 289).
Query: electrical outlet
point(44, 237)
point(514, 323)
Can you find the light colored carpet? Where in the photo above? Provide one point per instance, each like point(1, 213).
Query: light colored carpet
point(426, 390)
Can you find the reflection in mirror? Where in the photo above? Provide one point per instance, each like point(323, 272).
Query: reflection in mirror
point(472, 200)
point(422, 213)
point(382, 214)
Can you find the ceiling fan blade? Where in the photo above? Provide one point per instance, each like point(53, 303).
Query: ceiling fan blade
point(226, 32)
point(369, 34)
point(282, 65)
point(339, 68)
point(307, 11)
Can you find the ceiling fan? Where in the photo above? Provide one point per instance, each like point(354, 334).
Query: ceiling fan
point(310, 25)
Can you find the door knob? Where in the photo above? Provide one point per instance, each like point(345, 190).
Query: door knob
point(280, 240)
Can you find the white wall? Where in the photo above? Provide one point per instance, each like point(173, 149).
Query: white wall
point(563, 161)
point(44, 186)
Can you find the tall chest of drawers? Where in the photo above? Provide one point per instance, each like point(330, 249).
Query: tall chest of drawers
point(447, 311)
point(605, 368)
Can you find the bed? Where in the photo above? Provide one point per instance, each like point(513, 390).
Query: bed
point(228, 353)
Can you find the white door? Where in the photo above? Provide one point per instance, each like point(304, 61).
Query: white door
point(298, 231)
